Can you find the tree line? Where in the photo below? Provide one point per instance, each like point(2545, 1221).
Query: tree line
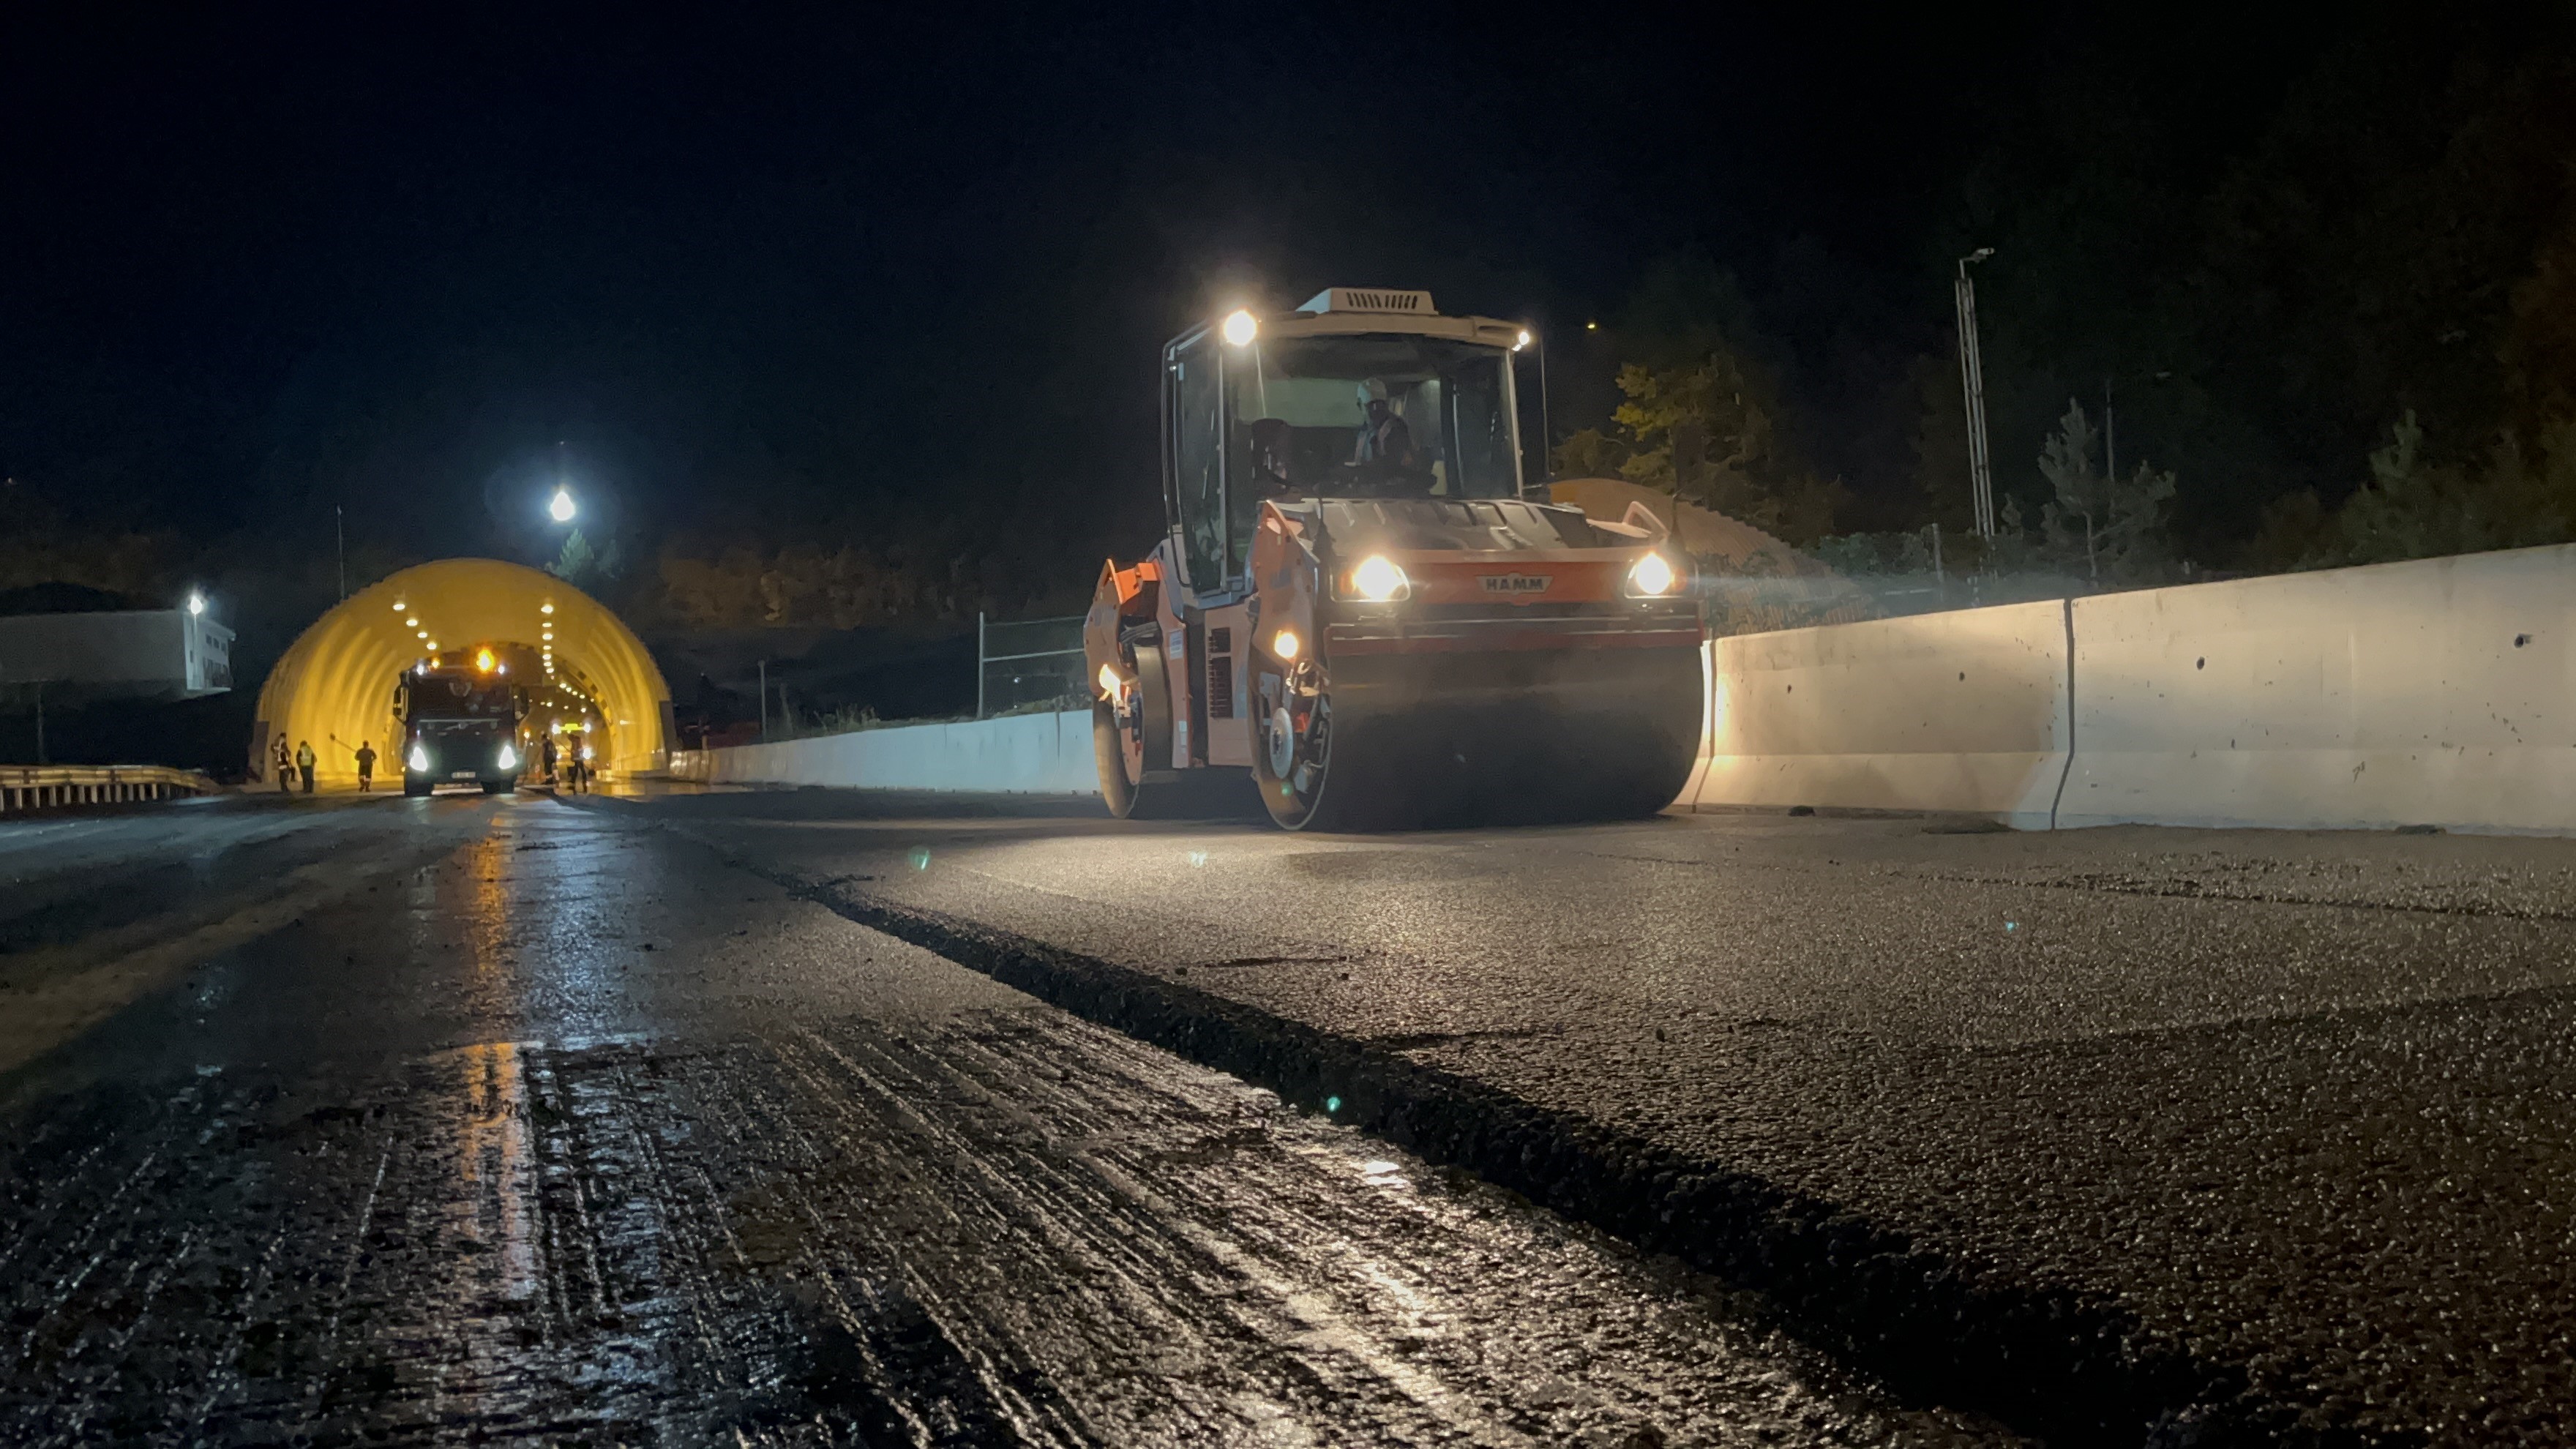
point(2340, 329)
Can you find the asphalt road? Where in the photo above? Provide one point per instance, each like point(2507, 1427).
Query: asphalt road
point(463, 1120)
point(2204, 1137)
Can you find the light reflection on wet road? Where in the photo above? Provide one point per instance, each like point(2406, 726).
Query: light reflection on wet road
point(577, 1135)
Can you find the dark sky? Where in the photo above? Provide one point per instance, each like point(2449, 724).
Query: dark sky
point(782, 265)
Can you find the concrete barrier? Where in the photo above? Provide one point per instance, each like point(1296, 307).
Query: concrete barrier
point(2441, 692)
point(1025, 754)
point(2437, 692)
point(1965, 711)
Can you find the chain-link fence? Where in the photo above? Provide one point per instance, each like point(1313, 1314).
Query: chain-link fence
point(1028, 664)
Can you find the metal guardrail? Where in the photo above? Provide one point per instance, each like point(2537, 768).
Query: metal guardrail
point(55, 787)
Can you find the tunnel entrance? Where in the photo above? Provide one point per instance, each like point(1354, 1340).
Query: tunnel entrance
point(583, 676)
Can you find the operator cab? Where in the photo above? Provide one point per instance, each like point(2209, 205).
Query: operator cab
point(1361, 393)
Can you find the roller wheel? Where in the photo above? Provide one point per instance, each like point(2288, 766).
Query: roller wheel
point(1117, 761)
point(1294, 760)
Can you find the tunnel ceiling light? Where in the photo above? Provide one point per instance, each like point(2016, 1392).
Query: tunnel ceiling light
point(545, 608)
point(399, 606)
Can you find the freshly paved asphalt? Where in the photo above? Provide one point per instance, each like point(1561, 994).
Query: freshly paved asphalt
point(462, 1120)
point(2247, 1136)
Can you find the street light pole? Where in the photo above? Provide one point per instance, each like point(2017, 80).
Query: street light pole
point(1972, 378)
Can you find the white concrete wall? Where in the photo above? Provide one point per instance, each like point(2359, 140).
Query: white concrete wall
point(1029, 754)
point(1964, 711)
point(2438, 692)
point(2441, 692)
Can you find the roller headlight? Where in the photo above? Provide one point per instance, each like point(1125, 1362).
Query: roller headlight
point(1652, 577)
point(1379, 580)
point(509, 758)
point(418, 759)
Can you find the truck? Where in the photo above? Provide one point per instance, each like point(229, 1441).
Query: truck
point(460, 724)
point(1361, 608)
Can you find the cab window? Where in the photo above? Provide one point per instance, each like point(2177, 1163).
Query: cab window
point(1198, 470)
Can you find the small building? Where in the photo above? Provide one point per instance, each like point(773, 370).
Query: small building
point(119, 654)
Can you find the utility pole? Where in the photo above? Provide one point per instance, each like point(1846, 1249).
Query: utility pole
point(2110, 437)
point(1972, 377)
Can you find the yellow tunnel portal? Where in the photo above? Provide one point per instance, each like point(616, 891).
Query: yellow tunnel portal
point(580, 668)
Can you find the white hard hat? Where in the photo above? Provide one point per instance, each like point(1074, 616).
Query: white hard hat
point(1374, 390)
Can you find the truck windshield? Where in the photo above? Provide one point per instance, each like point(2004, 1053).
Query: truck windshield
point(458, 697)
point(1380, 416)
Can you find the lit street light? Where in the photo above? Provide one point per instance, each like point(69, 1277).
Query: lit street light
point(561, 509)
point(196, 603)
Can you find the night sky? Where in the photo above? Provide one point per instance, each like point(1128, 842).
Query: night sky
point(910, 267)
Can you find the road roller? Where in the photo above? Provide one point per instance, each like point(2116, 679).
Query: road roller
point(1359, 612)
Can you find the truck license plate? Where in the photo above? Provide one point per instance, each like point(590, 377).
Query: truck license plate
point(462, 775)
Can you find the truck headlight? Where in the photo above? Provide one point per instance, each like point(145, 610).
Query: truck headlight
point(1652, 577)
point(1379, 580)
point(418, 759)
point(508, 759)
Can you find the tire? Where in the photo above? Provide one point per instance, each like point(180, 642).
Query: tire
point(498, 787)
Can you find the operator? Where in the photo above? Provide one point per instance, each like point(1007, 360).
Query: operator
point(1385, 443)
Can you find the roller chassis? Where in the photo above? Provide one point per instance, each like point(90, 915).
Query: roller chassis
point(1544, 696)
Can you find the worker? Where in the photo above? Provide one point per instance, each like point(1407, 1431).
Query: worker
point(1384, 442)
point(305, 760)
point(550, 759)
point(282, 759)
point(366, 765)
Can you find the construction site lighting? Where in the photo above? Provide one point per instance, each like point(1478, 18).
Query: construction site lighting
point(1285, 644)
point(1108, 682)
point(1652, 577)
point(1521, 341)
point(561, 509)
point(1380, 580)
point(483, 660)
point(1241, 327)
point(196, 603)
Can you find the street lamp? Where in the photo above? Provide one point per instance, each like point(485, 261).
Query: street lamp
point(561, 509)
point(1972, 378)
point(196, 604)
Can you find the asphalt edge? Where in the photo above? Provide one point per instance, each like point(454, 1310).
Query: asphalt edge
point(2053, 1362)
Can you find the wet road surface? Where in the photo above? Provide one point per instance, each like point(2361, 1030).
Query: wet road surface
point(468, 1120)
point(2243, 1136)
